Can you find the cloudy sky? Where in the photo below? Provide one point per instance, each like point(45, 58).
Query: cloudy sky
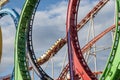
point(49, 25)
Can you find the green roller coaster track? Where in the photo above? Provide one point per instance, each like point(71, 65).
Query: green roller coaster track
point(112, 70)
point(21, 67)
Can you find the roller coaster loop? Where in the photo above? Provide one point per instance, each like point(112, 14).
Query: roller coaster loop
point(84, 49)
point(77, 65)
point(15, 17)
point(112, 70)
point(26, 19)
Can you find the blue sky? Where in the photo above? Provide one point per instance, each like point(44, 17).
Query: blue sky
point(15, 4)
point(49, 25)
point(43, 5)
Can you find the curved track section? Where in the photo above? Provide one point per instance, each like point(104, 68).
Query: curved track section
point(21, 67)
point(85, 48)
point(23, 31)
point(15, 17)
point(31, 53)
point(112, 70)
point(77, 65)
point(61, 42)
point(12, 13)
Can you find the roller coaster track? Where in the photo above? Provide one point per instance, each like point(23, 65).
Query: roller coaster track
point(61, 42)
point(77, 64)
point(85, 48)
point(31, 54)
point(15, 17)
point(112, 70)
point(23, 31)
point(12, 13)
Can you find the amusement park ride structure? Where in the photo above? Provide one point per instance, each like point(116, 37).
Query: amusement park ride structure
point(77, 67)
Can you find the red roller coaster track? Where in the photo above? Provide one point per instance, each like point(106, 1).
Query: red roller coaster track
point(77, 64)
point(85, 48)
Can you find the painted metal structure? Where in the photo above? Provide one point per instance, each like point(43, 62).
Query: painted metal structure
point(77, 65)
point(25, 25)
point(112, 70)
point(31, 53)
point(64, 72)
point(15, 16)
point(21, 69)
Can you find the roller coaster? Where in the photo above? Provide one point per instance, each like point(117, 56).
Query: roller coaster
point(77, 66)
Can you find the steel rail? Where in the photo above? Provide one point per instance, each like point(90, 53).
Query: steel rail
point(77, 64)
point(21, 67)
point(31, 54)
point(15, 16)
point(85, 48)
point(23, 34)
point(112, 69)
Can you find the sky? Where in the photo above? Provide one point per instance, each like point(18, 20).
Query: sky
point(50, 25)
